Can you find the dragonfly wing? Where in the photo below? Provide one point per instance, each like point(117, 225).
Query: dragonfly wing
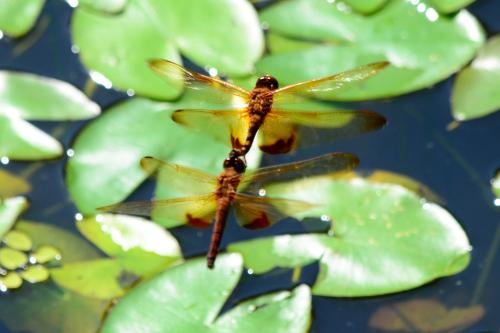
point(302, 129)
point(216, 92)
point(184, 180)
point(252, 182)
point(282, 97)
point(227, 126)
point(197, 211)
point(254, 212)
point(277, 135)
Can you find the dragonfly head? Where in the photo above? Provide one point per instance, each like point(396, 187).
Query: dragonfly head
point(267, 81)
point(234, 161)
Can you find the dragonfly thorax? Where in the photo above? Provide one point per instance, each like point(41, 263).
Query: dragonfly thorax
point(267, 81)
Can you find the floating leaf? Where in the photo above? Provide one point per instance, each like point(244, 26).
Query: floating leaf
point(95, 279)
point(17, 240)
point(384, 238)
point(192, 296)
point(142, 247)
point(475, 91)
point(35, 274)
point(18, 17)
point(364, 7)
point(12, 259)
point(12, 185)
point(70, 247)
point(10, 209)
point(48, 99)
point(450, 6)
point(118, 46)
point(422, 46)
point(45, 308)
point(45, 254)
point(426, 316)
point(108, 151)
point(105, 6)
point(10, 281)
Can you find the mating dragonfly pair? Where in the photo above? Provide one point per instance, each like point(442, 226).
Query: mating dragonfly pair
point(262, 110)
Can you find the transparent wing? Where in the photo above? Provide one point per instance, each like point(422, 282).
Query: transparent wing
point(284, 130)
point(186, 181)
point(254, 212)
point(227, 126)
point(197, 211)
point(215, 91)
point(314, 88)
point(252, 182)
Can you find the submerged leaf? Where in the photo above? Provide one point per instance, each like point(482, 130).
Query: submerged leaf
point(118, 46)
point(48, 99)
point(423, 47)
point(18, 17)
point(139, 245)
point(426, 316)
point(384, 238)
point(11, 185)
point(189, 297)
point(95, 279)
point(475, 91)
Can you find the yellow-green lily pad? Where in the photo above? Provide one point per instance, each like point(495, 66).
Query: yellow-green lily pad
point(12, 259)
point(17, 240)
point(35, 274)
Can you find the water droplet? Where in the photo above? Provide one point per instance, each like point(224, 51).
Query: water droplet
point(262, 192)
point(78, 216)
point(431, 14)
point(331, 233)
point(458, 283)
point(213, 71)
point(100, 79)
point(325, 218)
point(130, 92)
point(70, 152)
point(251, 308)
point(99, 218)
point(496, 202)
point(1, 34)
point(421, 7)
point(75, 49)
point(4, 160)
point(250, 271)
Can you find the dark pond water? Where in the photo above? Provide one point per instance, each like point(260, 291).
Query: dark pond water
point(458, 165)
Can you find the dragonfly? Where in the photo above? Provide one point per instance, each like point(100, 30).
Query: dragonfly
point(208, 197)
point(235, 115)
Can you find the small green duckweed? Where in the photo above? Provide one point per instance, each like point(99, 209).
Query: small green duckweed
point(45, 254)
point(10, 281)
point(12, 259)
point(18, 240)
point(35, 273)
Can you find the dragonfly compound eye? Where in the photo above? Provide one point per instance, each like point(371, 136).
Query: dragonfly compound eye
point(268, 82)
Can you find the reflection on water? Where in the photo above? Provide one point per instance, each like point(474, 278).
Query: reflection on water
point(457, 166)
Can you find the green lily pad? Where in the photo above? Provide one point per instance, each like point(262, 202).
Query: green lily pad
point(17, 240)
point(10, 281)
point(475, 91)
point(10, 209)
point(49, 100)
point(449, 6)
point(422, 46)
point(94, 279)
point(45, 254)
point(108, 150)
point(141, 247)
point(104, 6)
point(35, 274)
point(12, 259)
point(70, 247)
point(12, 185)
point(384, 238)
point(228, 38)
point(364, 7)
point(18, 17)
point(192, 296)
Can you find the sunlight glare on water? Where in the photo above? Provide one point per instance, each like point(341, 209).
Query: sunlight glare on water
point(100, 79)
